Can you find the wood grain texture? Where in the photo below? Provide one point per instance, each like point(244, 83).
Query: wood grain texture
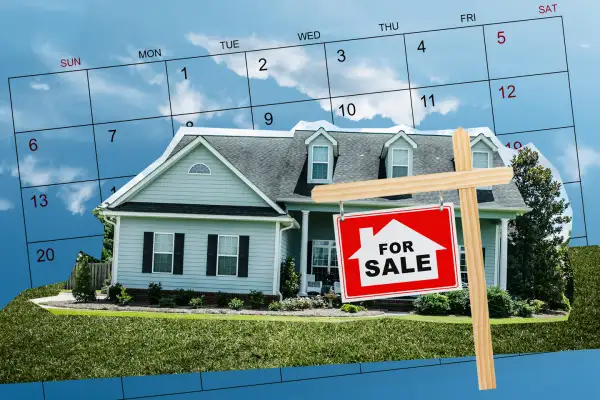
point(482, 334)
point(411, 184)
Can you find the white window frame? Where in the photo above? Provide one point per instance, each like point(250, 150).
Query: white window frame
point(488, 165)
point(408, 162)
point(198, 173)
point(237, 256)
point(312, 163)
point(463, 254)
point(329, 247)
point(172, 252)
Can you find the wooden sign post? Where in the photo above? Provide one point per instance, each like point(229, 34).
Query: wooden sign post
point(466, 180)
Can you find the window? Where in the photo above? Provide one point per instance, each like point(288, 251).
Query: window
point(481, 159)
point(324, 260)
point(399, 162)
point(162, 260)
point(227, 255)
point(463, 265)
point(200, 169)
point(320, 162)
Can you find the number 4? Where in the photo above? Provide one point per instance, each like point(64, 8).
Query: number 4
point(501, 37)
point(421, 46)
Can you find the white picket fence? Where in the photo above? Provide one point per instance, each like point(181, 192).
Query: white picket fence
point(100, 272)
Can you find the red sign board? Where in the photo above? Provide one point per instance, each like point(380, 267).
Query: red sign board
point(398, 252)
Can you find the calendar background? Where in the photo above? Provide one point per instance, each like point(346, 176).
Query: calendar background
point(36, 34)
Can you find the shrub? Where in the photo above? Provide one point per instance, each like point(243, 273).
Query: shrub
point(182, 297)
point(563, 304)
point(337, 302)
point(538, 305)
point(290, 279)
point(459, 303)
point(303, 303)
point(83, 290)
point(350, 308)
point(222, 299)
point(257, 299)
point(114, 291)
point(499, 302)
point(154, 292)
point(197, 302)
point(275, 306)
point(432, 304)
point(166, 302)
point(236, 304)
point(105, 286)
point(123, 298)
point(523, 309)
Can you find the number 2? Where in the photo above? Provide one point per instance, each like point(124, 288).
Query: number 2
point(263, 67)
point(511, 94)
point(501, 37)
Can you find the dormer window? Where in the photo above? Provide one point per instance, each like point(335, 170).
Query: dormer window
point(400, 162)
point(320, 163)
point(481, 159)
point(199, 169)
point(482, 153)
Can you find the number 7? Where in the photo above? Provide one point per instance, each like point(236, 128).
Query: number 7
point(501, 36)
point(113, 131)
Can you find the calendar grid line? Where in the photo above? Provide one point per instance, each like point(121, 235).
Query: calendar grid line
point(288, 46)
point(94, 134)
point(328, 83)
point(65, 238)
point(249, 91)
point(487, 66)
point(20, 186)
point(535, 130)
point(412, 111)
point(169, 93)
point(574, 129)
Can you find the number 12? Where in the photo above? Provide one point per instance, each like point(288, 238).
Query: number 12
point(511, 93)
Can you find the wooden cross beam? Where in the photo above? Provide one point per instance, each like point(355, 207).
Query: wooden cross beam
point(466, 181)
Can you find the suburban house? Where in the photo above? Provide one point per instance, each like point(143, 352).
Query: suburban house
point(222, 208)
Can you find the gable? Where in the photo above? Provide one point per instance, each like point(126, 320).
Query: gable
point(221, 187)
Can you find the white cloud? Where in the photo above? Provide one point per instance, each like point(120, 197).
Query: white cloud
point(241, 120)
point(436, 80)
point(6, 205)
point(39, 86)
point(588, 159)
point(75, 196)
point(185, 99)
point(294, 67)
point(148, 72)
point(32, 174)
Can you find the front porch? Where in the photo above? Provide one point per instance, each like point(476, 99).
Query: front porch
point(314, 246)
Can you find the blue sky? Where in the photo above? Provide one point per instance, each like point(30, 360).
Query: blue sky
point(37, 35)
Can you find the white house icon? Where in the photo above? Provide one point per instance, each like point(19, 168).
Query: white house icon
point(396, 254)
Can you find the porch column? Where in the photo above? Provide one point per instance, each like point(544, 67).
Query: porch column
point(304, 254)
point(503, 251)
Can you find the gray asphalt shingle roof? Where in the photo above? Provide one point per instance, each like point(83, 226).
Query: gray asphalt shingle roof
point(275, 164)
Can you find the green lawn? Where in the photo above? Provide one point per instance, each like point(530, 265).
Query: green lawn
point(38, 345)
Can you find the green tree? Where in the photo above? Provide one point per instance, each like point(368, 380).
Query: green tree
point(536, 248)
point(83, 290)
point(290, 279)
point(109, 235)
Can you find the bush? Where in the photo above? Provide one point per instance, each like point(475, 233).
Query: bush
point(236, 304)
point(523, 309)
point(113, 292)
point(154, 292)
point(290, 279)
point(303, 303)
point(275, 306)
point(222, 299)
point(432, 304)
point(337, 302)
point(182, 297)
point(123, 298)
point(166, 302)
point(538, 305)
point(350, 308)
point(257, 299)
point(197, 302)
point(500, 304)
point(459, 302)
point(563, 304)
point(105, 286)
point(83, 290)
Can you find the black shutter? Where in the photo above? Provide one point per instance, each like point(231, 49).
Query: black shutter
point(243, 256)
point(147, 253)
point(211, 255)
point(178, 254)
point(309, 258)
point(483, 250)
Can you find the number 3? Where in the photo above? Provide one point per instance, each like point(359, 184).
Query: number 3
point(501, 37)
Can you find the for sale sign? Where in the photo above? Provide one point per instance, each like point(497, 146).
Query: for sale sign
point(398, 252)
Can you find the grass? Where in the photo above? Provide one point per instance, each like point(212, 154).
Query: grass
point(37, 345)
point(412, 317)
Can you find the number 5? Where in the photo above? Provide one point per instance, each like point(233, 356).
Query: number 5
point(501, 37)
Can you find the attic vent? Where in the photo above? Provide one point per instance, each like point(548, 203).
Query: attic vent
point(200, 169)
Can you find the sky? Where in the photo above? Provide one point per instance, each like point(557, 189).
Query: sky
point(354, 84)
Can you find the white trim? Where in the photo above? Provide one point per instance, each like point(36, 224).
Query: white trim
point(304, 252)
point(399, 135)
point(482, 138)
point(160, 165)
point(115, 252)
point(199, 173)
point(237, 255)
point(408, 163)
point(283, 218)
point(172, 252)
point(312, 161)
point(319, 132)
point(331, 245)
point(277, 257)
point(497, 258)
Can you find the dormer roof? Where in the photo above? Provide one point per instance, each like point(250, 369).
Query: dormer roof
point(322, 132)
point(399, 135)
point(482, 138)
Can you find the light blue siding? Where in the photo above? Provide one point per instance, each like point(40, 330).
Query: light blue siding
point(221, 187)
point(260, 257)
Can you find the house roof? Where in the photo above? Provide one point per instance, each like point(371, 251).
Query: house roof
point(275, 161)
point(203, 209)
